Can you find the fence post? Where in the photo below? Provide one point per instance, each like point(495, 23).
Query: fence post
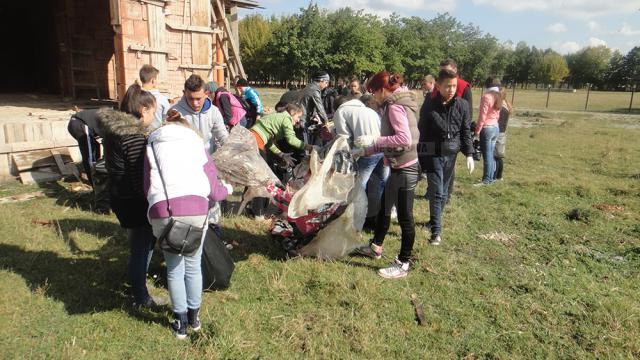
point(548, 93)
point(633, 89)
point(513, 93)
point(586, 103)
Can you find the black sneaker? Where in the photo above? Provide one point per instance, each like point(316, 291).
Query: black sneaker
point(435, 239)
point(194, 319)
point(179, 325)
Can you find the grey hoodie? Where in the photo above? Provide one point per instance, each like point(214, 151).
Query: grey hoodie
point(353, 119)
point(208, 122)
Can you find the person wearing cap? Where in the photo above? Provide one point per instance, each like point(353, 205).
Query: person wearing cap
point(314, 113)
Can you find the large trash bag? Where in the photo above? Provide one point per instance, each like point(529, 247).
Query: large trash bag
point(338, 239)
point(331, 181)
point(239, 162)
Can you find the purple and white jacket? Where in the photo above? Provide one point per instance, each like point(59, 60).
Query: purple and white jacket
point(188, 171)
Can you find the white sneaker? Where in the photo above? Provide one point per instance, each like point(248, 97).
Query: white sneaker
point(398, 269)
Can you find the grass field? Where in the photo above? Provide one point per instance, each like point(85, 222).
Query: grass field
point(544, 264)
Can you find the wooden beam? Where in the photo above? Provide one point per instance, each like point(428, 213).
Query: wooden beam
point(196, 66)
point(148, 49)
point(227, 29)
point(42, 158)
point(193, 28)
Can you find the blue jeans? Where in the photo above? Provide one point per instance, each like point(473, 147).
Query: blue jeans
point(141, 242)
point(184, 273)
point(488, 138)
point(372, 172)
point(439, 173)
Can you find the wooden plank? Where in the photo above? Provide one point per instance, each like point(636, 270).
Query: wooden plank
point(39, 176)
point(147, 49)
point(62, 168)
point(195, 66)
point(22, 197)
point(193, 28)
point(201, 43)
point(40, 158)
point(157, 39)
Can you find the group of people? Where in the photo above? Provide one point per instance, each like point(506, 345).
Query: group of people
point(157, 158)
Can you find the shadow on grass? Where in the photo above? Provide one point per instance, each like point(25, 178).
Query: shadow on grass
point(90, 282)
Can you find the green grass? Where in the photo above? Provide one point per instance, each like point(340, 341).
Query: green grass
point(542, 265)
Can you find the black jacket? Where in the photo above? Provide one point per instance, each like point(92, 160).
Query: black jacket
point(445, 129)
point(124, 141)
point(312, 104)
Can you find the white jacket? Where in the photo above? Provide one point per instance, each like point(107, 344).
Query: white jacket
point(354, 119)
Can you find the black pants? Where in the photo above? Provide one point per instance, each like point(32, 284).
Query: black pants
point(89, 147)
point(499, 168)
point(399, 191)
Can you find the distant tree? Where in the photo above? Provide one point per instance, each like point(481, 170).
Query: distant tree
point(520, 70)
point(283, 48)
point(314, 42)
point(614, 76)
point(552, 68)
point(255, 33)
point(589, 66)
point(631, 67)
point(356, 43)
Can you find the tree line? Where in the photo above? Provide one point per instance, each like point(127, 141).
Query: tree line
point(348, 42)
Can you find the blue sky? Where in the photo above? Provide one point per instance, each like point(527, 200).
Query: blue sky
point(563, 25)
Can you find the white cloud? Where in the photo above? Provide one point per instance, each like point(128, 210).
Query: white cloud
point(580, 9)
point(593, 42)
point(627, 30)
point(385, 8)
point(566, 47)
point(556, 28)
point(594, 26)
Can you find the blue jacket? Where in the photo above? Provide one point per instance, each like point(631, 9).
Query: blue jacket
point(253, 99)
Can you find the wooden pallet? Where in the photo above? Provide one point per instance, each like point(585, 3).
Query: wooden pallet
point(45, 165)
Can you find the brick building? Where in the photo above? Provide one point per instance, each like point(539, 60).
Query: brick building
point(94, 48)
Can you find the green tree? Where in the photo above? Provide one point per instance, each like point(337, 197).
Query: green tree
point(255, 33)
point(314, 41)
point(614, 76)
point(357, 43)
point(589, 65)
point(631, 67)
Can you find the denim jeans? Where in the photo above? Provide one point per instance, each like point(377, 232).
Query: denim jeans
point(488, 138)
point(372, 175)
point(184, 273)
point(399, 191)
point(439, 173)
point(141, 241)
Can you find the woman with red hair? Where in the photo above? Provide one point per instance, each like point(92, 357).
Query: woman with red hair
point(398, 142)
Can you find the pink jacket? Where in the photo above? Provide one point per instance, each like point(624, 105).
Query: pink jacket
point(488, 115)
point(237, 110)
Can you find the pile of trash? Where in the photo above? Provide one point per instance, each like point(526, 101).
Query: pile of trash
point(321, 206)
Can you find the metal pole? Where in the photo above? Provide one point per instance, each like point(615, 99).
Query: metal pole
point(587, 102)
point(513, 94)
point(548, 93)
point(633, 89)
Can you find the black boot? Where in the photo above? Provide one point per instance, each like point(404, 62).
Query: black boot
point(179, 325)
point(194, 319)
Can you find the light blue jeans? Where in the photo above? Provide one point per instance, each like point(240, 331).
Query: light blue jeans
point(488, 138)
point(184, 273)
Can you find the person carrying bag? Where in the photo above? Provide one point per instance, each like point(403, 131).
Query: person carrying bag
point(180, 182)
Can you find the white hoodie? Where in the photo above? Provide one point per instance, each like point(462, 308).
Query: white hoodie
point(354, 119)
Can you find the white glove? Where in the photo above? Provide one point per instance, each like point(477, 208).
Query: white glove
point(470, 164)
point(357, 152)
point(227, 186)
point(365, 141)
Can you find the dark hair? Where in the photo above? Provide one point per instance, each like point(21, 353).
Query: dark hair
point(194, 83)
point(493, 81)
point(293, 108)
point(135, 99)
point(242, 82)
point(292, 87)
point(449, 62)
point(319, 74)
point(341, 100)
point(148, 73)
point(385, 80)
point(445, 74)
point(368, 100)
